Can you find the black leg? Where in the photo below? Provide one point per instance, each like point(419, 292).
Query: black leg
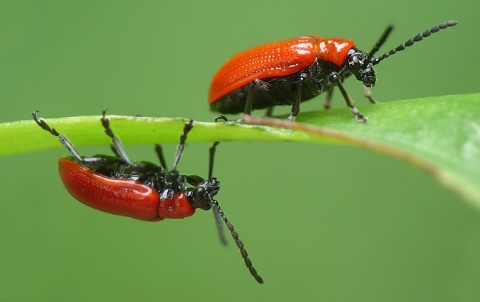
point(297, 99)
point(62, 138)
point(211, 159)
point(328, 99)
point(256, 86)
point(161, 158)
point(269, 111)
point(181, 146)
point(118, 148)
point(336, 81)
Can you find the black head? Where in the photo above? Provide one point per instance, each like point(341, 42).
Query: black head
point(357, 62)
point(201, 197)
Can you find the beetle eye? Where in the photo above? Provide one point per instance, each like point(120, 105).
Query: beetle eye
point(201, 199)
point(353, 60)
point(200, 193)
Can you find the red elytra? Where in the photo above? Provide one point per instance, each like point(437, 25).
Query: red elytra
point(292, 71)
point(123, 197)
point(276, 59)
point(141, 189)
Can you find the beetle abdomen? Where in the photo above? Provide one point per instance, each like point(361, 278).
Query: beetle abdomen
point(116, 196)
point(279, 91)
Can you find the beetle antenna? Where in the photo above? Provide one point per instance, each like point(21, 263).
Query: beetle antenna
point(415, 39)
point(216, 214)
point(239, 243)
point(379, 43)
point(181, 146)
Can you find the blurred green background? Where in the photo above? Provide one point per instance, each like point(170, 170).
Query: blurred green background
point(321, 223)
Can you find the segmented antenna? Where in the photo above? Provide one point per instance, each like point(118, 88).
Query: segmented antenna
point(239, 243)
point(413, 40)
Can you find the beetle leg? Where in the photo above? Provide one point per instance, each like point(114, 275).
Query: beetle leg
point(328, 99)
point(297, 98)
point(211, 159)
point(368, 94)
point(256, 85)
point(269, 111)
point(216, 213)
point(249, 100)
point(213, 148)
point(161, 158)
point(181, 146)
point(62, 138)
point(117, 144)
point(334, 78)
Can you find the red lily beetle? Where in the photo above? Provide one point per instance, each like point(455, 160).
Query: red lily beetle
point(292, 71)
point(141, 190)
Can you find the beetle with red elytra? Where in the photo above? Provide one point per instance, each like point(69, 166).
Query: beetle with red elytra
point(292, 71)
point(141, 189)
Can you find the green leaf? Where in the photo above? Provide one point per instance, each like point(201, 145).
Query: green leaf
point(439, 134)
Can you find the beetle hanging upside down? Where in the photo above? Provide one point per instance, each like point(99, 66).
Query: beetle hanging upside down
point(141, 189)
